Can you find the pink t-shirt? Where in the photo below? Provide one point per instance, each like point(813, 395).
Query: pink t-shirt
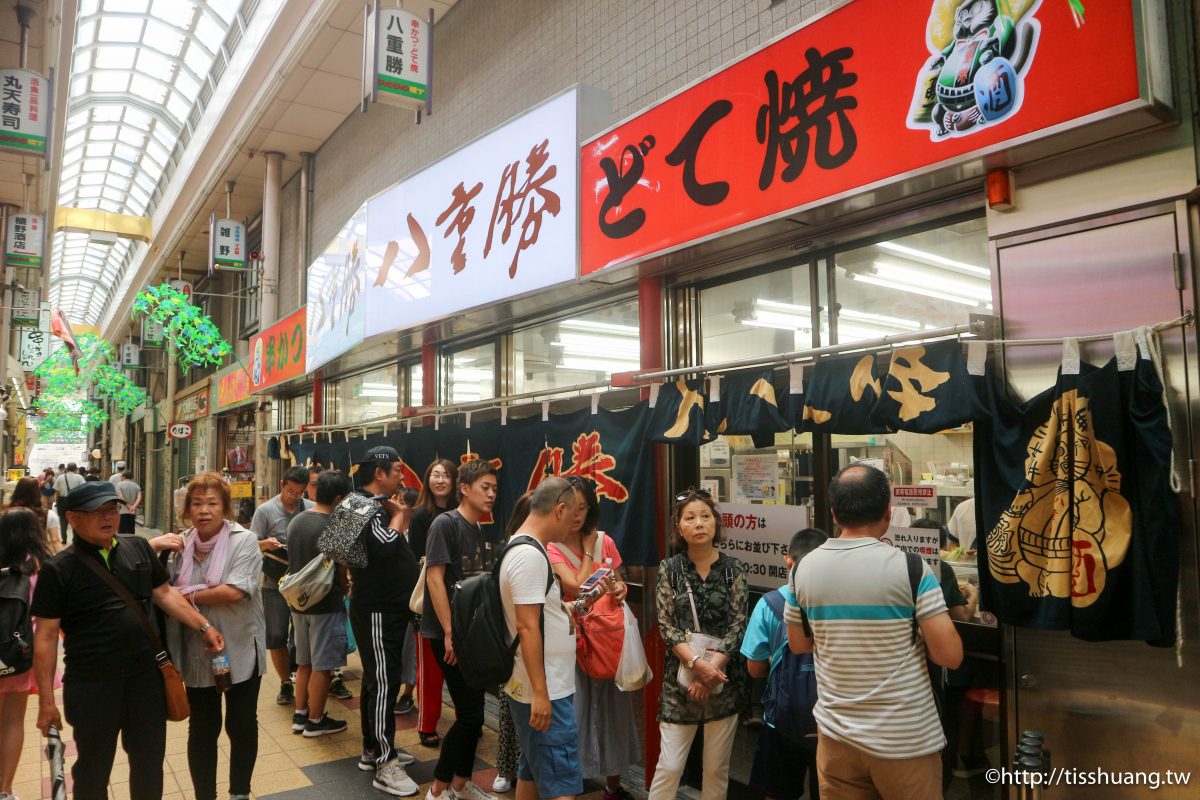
point(555, 552)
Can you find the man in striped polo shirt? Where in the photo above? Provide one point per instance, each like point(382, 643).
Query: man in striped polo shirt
point(878, 728)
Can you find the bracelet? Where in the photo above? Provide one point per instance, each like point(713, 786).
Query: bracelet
point(204, 627)
point(691, 664)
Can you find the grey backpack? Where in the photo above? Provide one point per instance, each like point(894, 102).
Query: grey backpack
point(342, 538)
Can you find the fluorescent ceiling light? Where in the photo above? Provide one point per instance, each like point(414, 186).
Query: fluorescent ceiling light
point(936, 260)
point(594, 326)
point(387, 393)
point(608, 365)
point(921, 290)
point(888, 270)
point(787, 316)
point(370, 385)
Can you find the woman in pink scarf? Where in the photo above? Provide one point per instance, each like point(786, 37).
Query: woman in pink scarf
point(219, 569)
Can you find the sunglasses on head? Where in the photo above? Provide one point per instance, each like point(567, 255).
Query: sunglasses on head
point(693, 493)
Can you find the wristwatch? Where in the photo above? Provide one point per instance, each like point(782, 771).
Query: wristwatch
point(579, 609)
point(691, 663)
point(204, 627)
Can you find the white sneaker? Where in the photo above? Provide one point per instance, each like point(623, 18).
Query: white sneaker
point(446, 795)
point(472, 792)
point(392, 778)
point(501, 785)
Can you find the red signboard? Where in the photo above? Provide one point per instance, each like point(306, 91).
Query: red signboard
point(863, 95)
point(179, 430)
point(232, 386)
point(277, 354)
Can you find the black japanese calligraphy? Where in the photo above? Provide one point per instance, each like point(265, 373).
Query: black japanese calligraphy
point(686, 152)
point(621, 179)
point(808, 105)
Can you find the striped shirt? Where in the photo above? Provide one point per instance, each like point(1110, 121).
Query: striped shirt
point(855, 600)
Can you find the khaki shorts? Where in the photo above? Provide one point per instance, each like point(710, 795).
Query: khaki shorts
point(847, 773)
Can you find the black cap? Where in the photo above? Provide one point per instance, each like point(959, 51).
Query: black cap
point(90, 496)
point(380, 455)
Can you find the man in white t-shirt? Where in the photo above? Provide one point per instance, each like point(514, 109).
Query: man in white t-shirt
point(542, 685)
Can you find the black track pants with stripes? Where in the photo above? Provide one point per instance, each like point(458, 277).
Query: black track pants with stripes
point(380, 638)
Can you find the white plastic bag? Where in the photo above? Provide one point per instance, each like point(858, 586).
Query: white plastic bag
point(633, 671)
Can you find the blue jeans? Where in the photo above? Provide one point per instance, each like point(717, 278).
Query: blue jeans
point(551, 758)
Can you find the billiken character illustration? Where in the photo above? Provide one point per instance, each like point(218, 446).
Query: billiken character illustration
point(981, 50)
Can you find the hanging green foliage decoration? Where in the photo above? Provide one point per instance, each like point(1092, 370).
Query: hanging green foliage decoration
point(195, 338)
point(66, 414)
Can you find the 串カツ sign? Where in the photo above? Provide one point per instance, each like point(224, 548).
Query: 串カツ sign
point(864, 95)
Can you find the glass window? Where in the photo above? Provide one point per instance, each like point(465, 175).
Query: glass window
point(416, 386)
point(927, 280)
point(367, 396)
point(578, 350)
point(757, 316)
point(472, 374)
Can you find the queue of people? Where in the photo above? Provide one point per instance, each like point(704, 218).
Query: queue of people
point(824, 733)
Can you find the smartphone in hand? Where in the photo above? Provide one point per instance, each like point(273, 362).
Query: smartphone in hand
point(594, 584)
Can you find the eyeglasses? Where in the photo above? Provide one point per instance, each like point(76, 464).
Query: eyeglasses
point(693, 493)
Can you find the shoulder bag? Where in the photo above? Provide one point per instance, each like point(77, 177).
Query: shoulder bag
point(308, 586)
point(173, 690)
point(416, 601)
point(600, 633)
point(702, 644)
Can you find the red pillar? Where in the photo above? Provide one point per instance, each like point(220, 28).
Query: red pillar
point(318, 399)
point(428, 367)
point(650, 332)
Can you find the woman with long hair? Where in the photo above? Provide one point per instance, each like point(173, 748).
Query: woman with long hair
point(46, 481)
point(439, 494)
point(219, 570)
point(700, 590)
point(28, 494)
point(22, 549)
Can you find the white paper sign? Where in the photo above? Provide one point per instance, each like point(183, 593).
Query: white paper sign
point(492, 221)
point(755, 478)
point(336, 309)
point(401, 58)
point(26, 307)
point(227, 245)
point(759, 536)
point(24, 241)
point(34, 349)
point(924, 542)
point(152, 333)
point(131, 355)
point(183, 287)
point(24, 111)
point(914, 496)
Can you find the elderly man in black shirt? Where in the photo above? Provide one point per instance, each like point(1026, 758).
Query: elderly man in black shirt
point(111, 682)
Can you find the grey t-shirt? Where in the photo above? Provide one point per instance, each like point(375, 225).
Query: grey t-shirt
point(272, 519)
point(450, 539)
point(128, 491)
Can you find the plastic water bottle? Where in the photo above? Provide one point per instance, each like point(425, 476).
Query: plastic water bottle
point(54, 755)
point(220, 668)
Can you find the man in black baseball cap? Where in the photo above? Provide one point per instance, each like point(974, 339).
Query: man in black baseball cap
point(111, 684)
point(379, 615)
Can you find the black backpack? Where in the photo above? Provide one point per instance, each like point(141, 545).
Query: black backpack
point(791, 689)
point(16, 626)
point(477, 624)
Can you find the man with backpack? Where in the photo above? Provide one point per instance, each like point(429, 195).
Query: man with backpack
point(452, 537)
point(787, 743)
point(379, 616)
point(870, 613)
point(542, 685)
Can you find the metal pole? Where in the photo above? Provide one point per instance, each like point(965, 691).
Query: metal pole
point(269, 285)
point(306, 161)
point(5, 211)
point(25, 20)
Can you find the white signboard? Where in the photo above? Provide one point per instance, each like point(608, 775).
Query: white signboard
point(24, 241)
point(759, 536)
point(183, 287)
point(24, 111)
point(922, 541)
point(493, 221)
point(131, 355)
point(755, 478)
point(400, 58)
point(26, 307)
point(152, 333)
point(914, 496)
point(34, 348)
point(179, 430)
point(336, 309)
point(227, 244)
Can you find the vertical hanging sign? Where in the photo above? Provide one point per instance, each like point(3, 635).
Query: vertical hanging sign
point(152, 333)
point(226, 244)
point(24, 111)
point(26, 305)
point(397, 57)
point(24, 240)
point(34, 348)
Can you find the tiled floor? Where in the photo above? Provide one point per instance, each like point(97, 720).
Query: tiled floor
point(289, 767)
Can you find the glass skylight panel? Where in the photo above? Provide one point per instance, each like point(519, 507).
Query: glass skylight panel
point(127, 6)
point(120, 30)
point(177, 106)
point(147, 89)
point(115, 57)
point(154, 63)
point(92, 179)
point(138, 118)
point(110, 82)
point(208, 30)
point(187, 86)
point(85, 34)
point(198, 59)
point(98, 150)
point(163, 37)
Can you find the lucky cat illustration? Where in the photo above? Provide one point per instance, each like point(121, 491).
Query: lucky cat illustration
point(981, 50)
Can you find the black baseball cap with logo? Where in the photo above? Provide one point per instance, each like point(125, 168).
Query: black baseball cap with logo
point(381, 455)
point(90, 496)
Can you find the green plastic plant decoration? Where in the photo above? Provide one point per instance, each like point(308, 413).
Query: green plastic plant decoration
point(195, 338)
point(61, 404)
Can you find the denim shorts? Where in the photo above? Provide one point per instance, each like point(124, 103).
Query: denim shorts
point(550, 759)
point(320, 640)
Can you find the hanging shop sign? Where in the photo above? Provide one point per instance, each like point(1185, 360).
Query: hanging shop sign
point(25, 109)
point(194, 404)
point(26, 307)
point(493, 221)
point(226, 244)
point(922, 541)
point(24, 241)
point(336, 309)
point(230, 387)
point(759, 536)
point(241, 490)
point(914, 496)
point(278, 352)
point(872, 92)
point(179, 430)
point(131, 355)
point(152, 334)
point(34, 348)
point(397, 59)
point(183, 287)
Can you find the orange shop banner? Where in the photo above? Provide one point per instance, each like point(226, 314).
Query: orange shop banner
point(867, 94)
point(231, 387)
point(277, 354)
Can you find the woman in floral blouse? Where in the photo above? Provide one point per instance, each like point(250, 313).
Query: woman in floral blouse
point(717, 678)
